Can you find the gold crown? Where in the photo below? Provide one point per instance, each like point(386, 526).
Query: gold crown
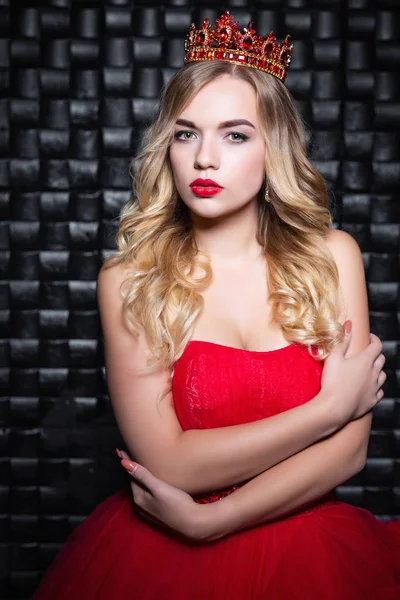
point(226, 42)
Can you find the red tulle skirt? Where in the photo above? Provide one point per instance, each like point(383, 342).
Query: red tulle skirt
point(332, 551)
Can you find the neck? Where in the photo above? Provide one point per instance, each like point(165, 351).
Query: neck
point(230, 239)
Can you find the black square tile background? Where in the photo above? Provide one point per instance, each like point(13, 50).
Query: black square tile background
point(79, 82)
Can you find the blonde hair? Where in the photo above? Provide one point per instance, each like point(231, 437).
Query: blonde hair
point(156, 241)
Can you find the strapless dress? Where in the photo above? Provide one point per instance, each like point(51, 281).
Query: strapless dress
point(327, 550)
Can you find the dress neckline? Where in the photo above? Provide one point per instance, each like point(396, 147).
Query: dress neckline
point(241, 349)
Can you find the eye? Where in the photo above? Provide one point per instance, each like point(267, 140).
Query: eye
point(242, 137)
point(177, 135)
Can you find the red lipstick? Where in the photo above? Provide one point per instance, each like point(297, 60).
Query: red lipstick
point(205, 187)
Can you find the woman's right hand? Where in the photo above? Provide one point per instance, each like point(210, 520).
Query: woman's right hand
point(354, 384)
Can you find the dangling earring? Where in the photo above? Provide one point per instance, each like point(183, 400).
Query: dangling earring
point(267, 197)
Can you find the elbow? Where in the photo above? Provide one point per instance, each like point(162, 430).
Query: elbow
point(361, 455)
point(359, 460)
point(358, 440)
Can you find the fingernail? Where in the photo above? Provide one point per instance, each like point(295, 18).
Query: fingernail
point(347, 326)
point(128, 465)
point(118, 452)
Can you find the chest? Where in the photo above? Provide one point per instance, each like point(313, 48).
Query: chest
point(237, 311)
point(218, 386)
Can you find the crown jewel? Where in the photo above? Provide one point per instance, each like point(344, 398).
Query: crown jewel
point(226, 42)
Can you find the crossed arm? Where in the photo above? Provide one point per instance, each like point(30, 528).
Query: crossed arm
point(322, 466)
point(294, 482)
point(185, 460)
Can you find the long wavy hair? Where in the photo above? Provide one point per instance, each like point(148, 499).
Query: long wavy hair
point(155, 240)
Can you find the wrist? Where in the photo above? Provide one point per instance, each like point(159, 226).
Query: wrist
point(213, 520)
point(330, 418)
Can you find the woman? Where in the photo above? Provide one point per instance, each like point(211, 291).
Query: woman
point(228, 367)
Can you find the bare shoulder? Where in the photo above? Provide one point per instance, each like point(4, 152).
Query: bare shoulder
point(109, 281)
point(348, 257)
point(342, 245)
point(112, 276)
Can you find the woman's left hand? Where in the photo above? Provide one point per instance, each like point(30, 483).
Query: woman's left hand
point(165, 504)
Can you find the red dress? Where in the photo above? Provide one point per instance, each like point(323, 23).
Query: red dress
point(329, 550)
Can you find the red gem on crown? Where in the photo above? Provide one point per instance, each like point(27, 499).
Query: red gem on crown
point(226, 42)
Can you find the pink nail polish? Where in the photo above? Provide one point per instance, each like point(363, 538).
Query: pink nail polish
point(118, 452)
point(128, 465)
point(347, 326)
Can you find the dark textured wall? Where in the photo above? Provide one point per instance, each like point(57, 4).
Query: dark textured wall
point(79, 80)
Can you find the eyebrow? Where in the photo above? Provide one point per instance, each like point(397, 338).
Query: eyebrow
point(223, 125)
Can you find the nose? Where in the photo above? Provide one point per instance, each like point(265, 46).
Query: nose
point(207, 154)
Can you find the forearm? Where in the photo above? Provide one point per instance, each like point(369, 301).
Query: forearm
point(204, 460)
point(293, 483)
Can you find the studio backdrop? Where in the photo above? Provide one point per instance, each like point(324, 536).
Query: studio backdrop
point(79, 82)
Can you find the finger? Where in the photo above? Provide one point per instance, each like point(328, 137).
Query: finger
point(382, 378)
point(125, 455)
point(380, 361)
point(122, 454)
point(141, 495)
point(342, 347)
point(129, 465)
point(140, 473)
point(375, 347)
point(141, 498)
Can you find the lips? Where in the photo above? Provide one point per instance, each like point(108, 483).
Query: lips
point(201, 190)
point(205, 187)
point(205, 183)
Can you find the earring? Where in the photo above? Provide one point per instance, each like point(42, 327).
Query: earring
point(267, 196)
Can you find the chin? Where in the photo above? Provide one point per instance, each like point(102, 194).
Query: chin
point(212, 212)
